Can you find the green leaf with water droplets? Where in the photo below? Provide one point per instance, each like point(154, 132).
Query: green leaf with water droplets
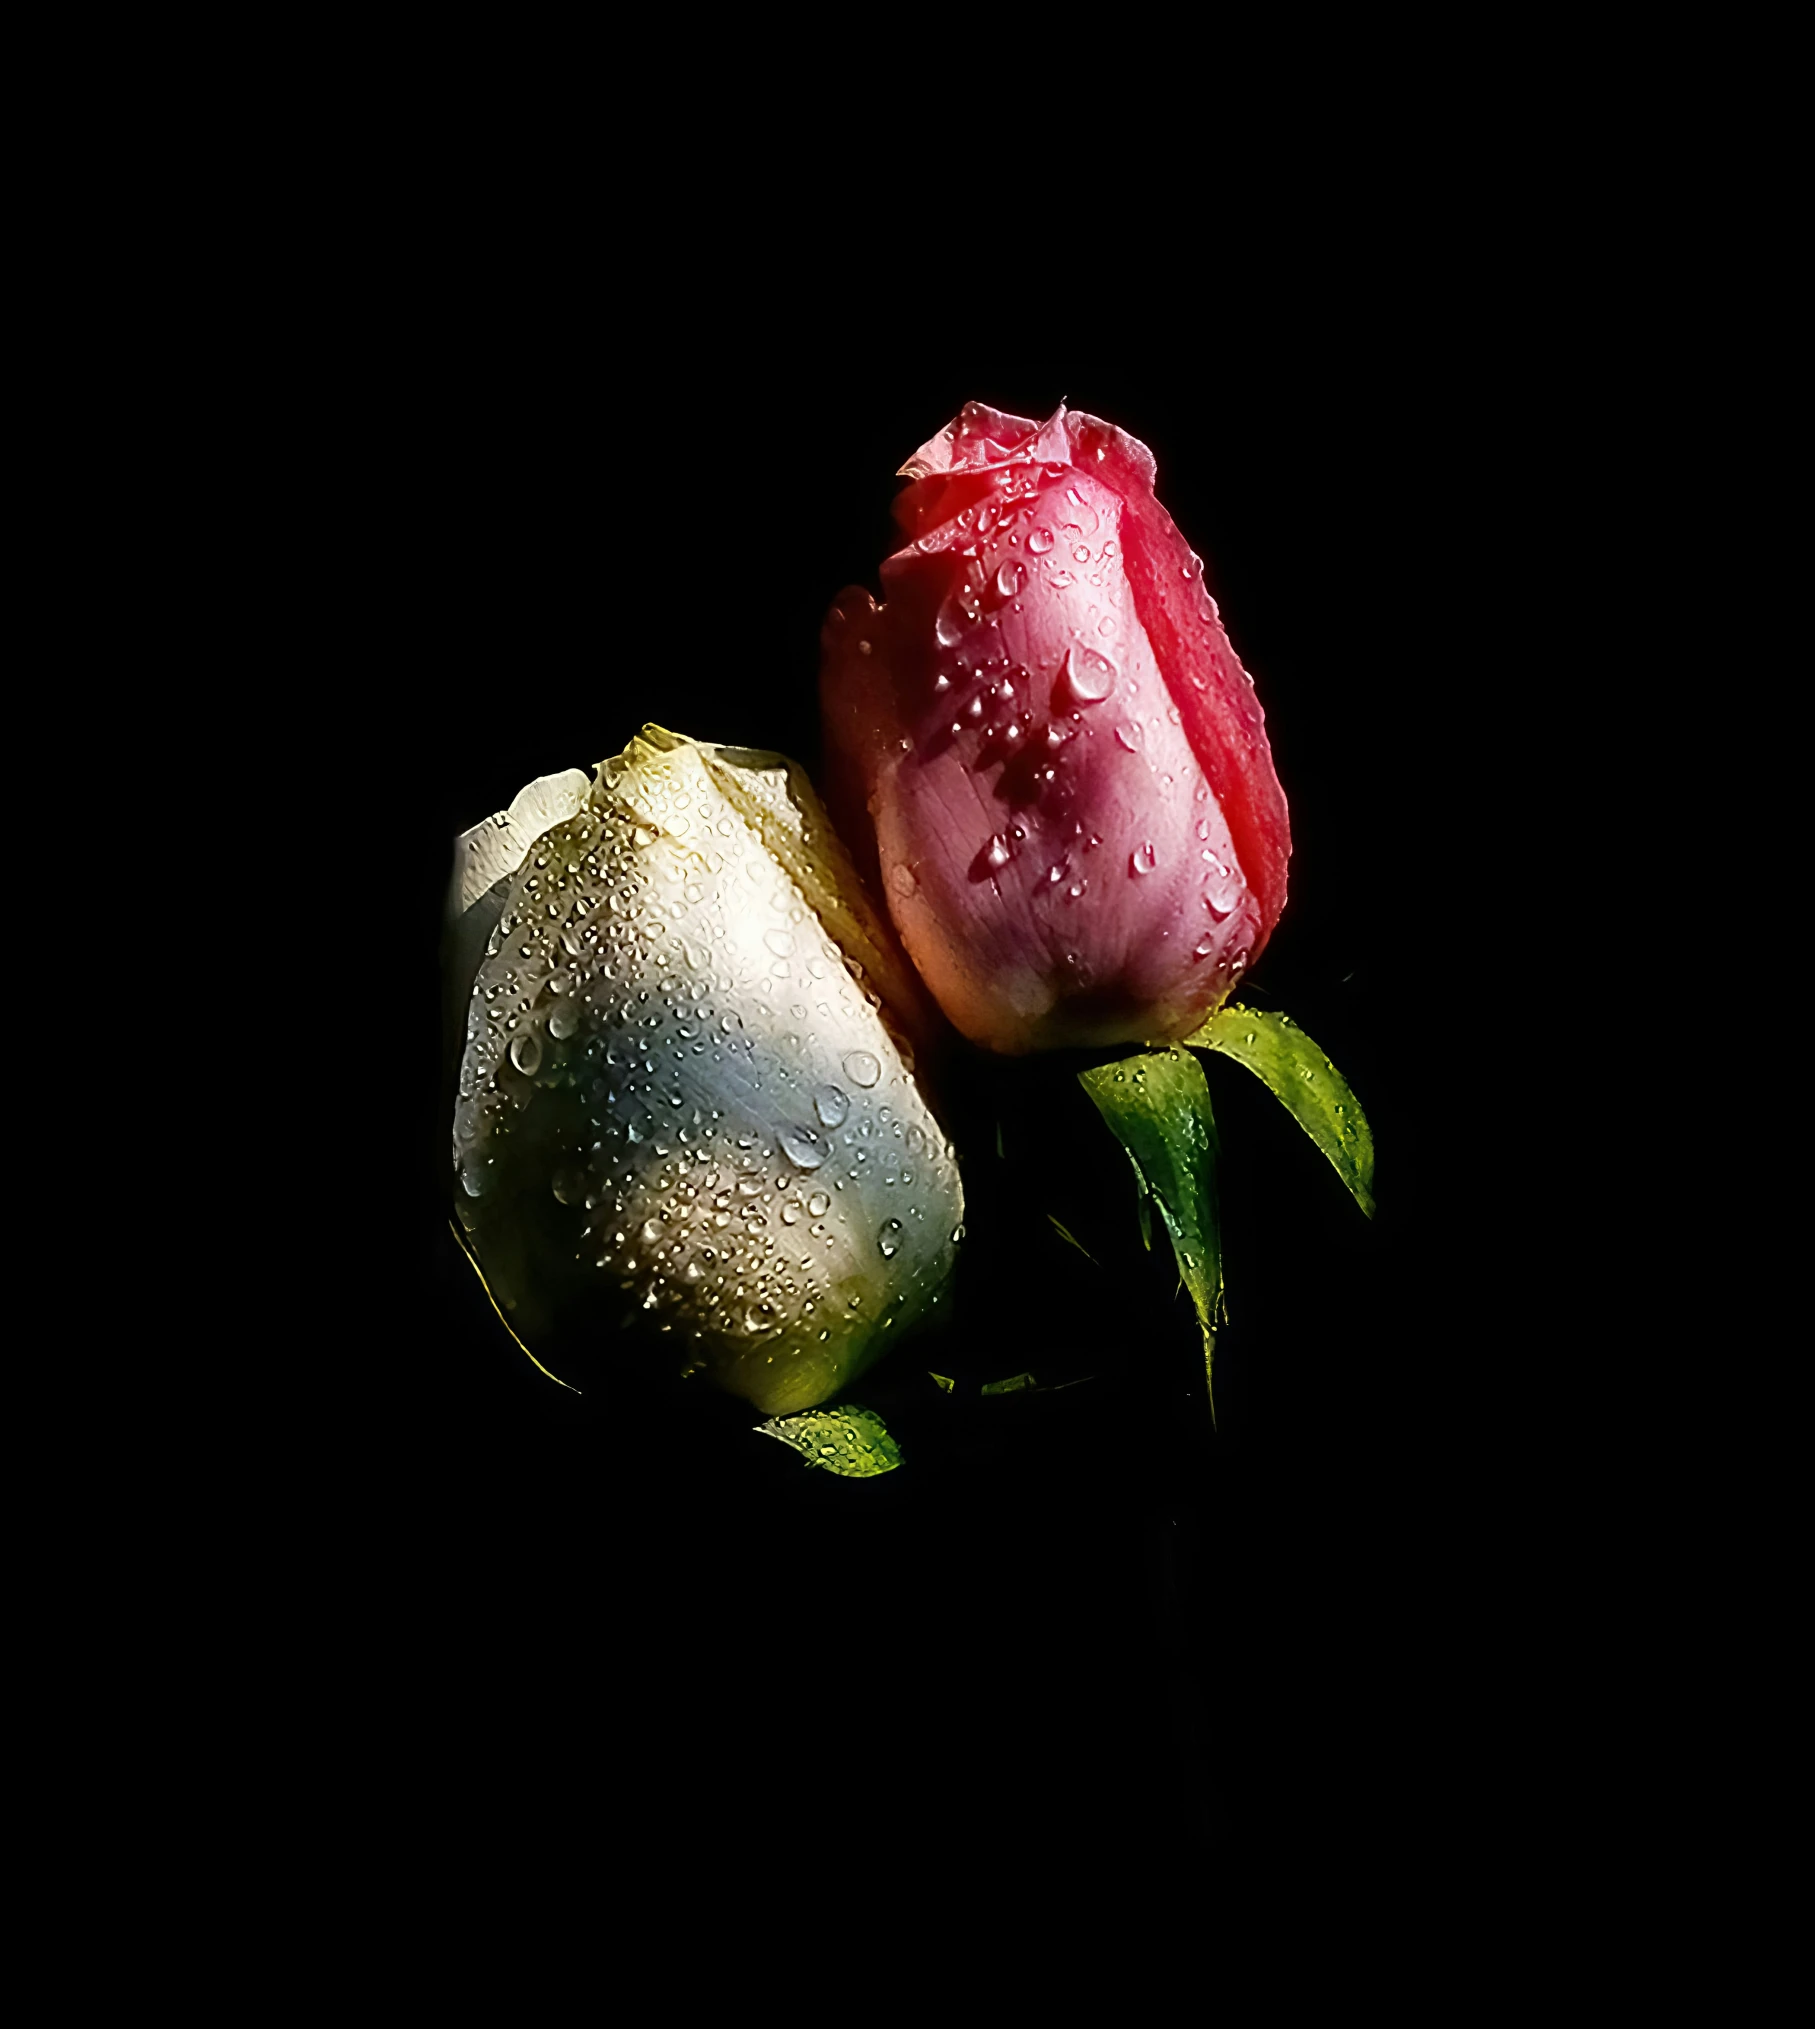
point(1158, 1107)
point(852, 1442)
point(1305, 1083)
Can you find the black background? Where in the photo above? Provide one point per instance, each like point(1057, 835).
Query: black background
point(1076, 1639)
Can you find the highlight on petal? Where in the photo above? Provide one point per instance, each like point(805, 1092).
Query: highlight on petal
point(492, 851)
point(681, 1092)
point(486, 860)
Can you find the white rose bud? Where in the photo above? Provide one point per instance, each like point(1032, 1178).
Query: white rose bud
point(686, 1076)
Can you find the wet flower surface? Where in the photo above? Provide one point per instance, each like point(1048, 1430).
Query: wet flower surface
point(1078, 828)
point(687, 1083)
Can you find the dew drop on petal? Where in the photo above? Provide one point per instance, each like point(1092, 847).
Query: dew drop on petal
point(1143, 859)
point(818, 1205)
point(1129, 735)
point(1087, 677)
point(803, 1148)
point(563, 1022)
point(526, 1053)
point(861, 1068)
point(888, 1241)
point(831, 1104)
point(1038, 543)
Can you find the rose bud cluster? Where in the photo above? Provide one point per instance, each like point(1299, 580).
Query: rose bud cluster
point(686, 1075)
point(1075, 817)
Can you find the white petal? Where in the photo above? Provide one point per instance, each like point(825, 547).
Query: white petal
point(489, 851)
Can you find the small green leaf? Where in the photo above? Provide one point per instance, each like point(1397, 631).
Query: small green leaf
point(1071, 1239)
point(1305, 1083)
point(945, 1381)
point(1158, 1107)
point(1012, 1386)
point(852, 1442)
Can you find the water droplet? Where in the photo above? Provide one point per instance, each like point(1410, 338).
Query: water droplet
point(996, 855)
point(570, 1186)
point(650, 1232)
point(949, 627)
point(831, 1105)
point(1087, 677)
point(563, 1022)
point(861, 1068)
point(803, 1148)
point(888, 1241)
point(779, 942)
point(526, 1053)
point(1130, 736)
point(790, 1214)
point(1143, 859)
point(1039, 543)
point(1223, 889)
point(819, 1204)
point(1008, 579)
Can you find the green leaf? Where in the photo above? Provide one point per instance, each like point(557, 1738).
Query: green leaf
point(1158, 1107)
point(1305, 1083)
point(1071, 1239)
point(852, 1442)
point(1012, 1386)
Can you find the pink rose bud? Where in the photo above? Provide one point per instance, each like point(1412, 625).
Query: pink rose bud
point(1077, 823)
